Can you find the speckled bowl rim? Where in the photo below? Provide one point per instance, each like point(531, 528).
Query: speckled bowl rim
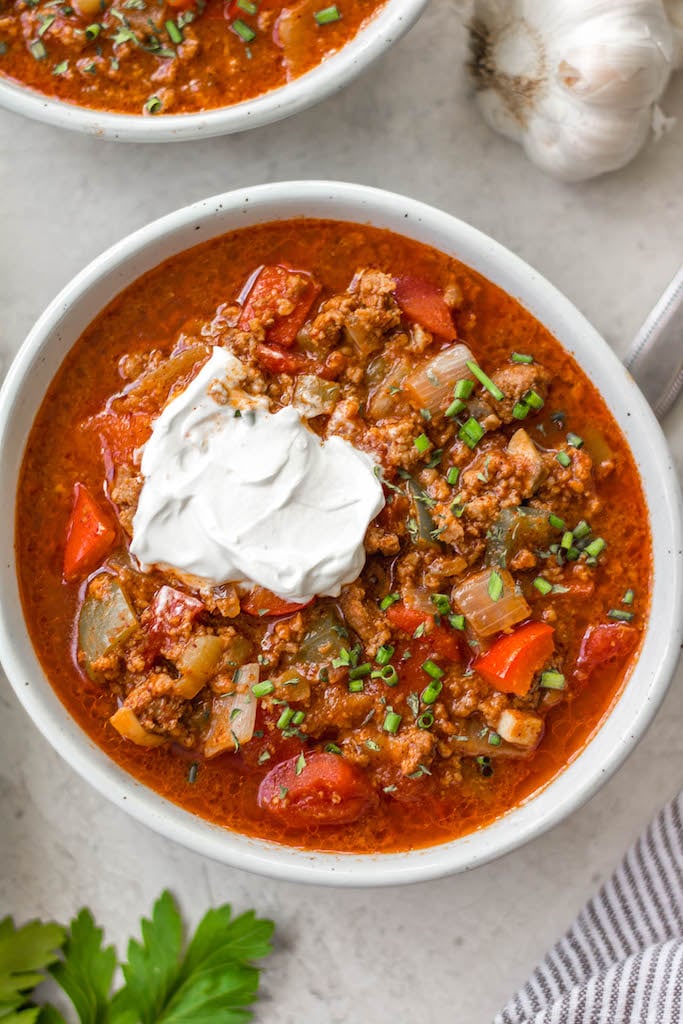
point(81, 300)
point(381, 32)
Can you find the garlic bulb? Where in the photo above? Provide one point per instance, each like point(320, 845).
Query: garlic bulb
point(576, 82)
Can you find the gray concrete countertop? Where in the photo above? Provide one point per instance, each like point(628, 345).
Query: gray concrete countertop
point(447, 950)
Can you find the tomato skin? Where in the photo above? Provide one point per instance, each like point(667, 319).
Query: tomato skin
point(277, 360)
point(260, 602)
point(172, 609)
point(441, 640)
point(422, 302)
point(267, 291)
point(608, 642)
point(90, 535)
point(327, 791)
point(512, 662)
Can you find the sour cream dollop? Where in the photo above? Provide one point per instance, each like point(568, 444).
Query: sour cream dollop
point(233, 493)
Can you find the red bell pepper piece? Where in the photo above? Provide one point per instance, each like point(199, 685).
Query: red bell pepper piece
point(89, 538)
point(325, 790)
point(442, 640)
point(422, 302)
point(513, 661)
point(260, 601)
point(273, 287)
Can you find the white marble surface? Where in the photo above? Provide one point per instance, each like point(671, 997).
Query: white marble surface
point(447, 950)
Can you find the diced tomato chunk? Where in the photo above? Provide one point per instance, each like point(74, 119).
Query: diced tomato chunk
point(606, 643)
point(325, 790)
point(276, 288)
point(173, 610)
point(441, 639)
point(277, 360)
point(422, 302)
point(513, 661)
point(90, 536)
point(260, 601)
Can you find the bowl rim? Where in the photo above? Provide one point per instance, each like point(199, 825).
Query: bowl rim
point(648, 681)
point(371, 42)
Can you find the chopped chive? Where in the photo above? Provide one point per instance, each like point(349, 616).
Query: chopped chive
point(485, 380)
point(263, 689)
point(455, 408)
point(563, 459)
point(422, 443)
point(61, 69)
point(241, 29)
point(425, 720)
point(567, 540)
point(471, 432)
point(521, 357)
point(463, 388)
point(441, 603)
point(371, 745)
point(332, 748)
point(457, 508)
point(285, 718)
point(391, 722)
point(38, 50)
point(581, 530)
point(620, 616)
point(457, 622)
point(384, 654)
point(192, 773)
point(520, 410)
point(298, 717)
point(452, 475)
point(533, 400)
point(248, 6)
point(553, 680)
point(264, 756)
point(432, 669)
point(300, 764)
point(595, 547)
point(494, 739)
point(419, 631)
point(153, 105)
point(356, 685)
point(495, 586)
point(360, 671)
point(542, 585)
point(574, 440)
point(628, 597)
point(388, 675)
point(92, 31)
point(555, 521)
point(387, 601)
point(431, 692)
point(174, 33)
point(327, 15)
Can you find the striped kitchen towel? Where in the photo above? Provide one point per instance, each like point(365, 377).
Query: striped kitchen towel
point(621, 962)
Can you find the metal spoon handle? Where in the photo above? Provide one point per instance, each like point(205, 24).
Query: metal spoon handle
point(656, 356)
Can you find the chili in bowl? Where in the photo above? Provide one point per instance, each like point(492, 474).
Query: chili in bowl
point(368, 570)
point(134, 70)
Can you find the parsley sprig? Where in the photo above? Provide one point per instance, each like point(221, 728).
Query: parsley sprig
point(211, 980)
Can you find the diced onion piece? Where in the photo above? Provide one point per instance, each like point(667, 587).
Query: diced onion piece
point(472, 740)
point(423, 533)
point(198, 662)
point(314, 396)
point(126, 723)
point(325, 637)
point(292, 686)
point(523, 728)
point(431, 385)
point(105, 622)
point(386, 386)
point(473, 597)
point(233, 716)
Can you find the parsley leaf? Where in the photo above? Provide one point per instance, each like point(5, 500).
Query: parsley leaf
point(24, 954)
point(87, 970)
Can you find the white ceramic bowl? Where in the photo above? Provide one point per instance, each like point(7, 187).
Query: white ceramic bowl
point(62, 323)
point(381, 32)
